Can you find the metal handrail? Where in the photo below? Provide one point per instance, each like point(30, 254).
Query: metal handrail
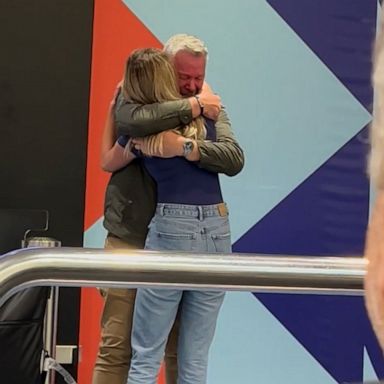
point(81, 267)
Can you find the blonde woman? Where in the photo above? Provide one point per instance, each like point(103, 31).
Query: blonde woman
point(190, 216)
point(374, 251)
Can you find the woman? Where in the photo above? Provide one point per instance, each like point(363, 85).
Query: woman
point(190, 216)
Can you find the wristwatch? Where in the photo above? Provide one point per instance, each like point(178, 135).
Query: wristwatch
point(187, 147)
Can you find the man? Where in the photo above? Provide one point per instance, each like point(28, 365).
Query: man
point(130, 196)
point(374, 250)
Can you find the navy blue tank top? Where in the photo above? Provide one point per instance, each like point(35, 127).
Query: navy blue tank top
point(180, 181)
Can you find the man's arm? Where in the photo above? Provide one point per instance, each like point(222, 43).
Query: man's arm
point(224, 155)
point(136, 120)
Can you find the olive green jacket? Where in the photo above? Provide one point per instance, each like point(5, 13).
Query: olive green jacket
point(130, 198)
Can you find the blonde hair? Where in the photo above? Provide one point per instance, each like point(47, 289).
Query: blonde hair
point(150, 78)
point(376, 158)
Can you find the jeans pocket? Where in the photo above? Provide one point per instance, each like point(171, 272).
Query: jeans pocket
point(171, 234)
point(222, 242)
point(175, 241)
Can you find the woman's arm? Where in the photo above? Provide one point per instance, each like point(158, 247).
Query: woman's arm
point(113, 155)
point(116, 158)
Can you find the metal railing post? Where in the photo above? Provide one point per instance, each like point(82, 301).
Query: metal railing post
point(51, 312)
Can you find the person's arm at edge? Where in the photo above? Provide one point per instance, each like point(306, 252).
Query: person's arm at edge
point(374, 278)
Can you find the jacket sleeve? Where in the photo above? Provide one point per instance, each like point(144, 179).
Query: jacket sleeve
point(137, 120)
point(224, 155)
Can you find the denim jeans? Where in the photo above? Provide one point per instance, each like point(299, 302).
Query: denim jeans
point(183, 228)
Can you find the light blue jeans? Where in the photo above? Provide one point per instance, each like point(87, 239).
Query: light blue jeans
point(182, 228)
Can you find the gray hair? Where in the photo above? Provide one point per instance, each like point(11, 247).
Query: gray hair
point(184, 42)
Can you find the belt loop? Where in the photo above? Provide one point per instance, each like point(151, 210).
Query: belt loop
point(200, 213)
point(162, 210)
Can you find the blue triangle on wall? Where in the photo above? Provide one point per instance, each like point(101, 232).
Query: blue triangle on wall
point(331, 339)
point(341, 33)
point(325, 215)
